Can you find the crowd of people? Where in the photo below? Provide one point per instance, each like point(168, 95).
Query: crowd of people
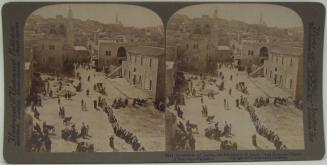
point(119, 103)
point(228, 145)
point(215, 133)
point(264, 131)
point(184, 135)
point(122, 133)
point(139, 102)
point(40, 140)
point(280, 101)
point(58, 90)
point(259, 102)
point(100, 88)
point(184, 138)
point(242, 87)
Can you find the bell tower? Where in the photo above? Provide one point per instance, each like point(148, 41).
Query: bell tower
point(70, 29)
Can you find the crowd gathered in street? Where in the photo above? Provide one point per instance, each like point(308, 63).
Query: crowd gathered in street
point(58, 87)
point(208, 87)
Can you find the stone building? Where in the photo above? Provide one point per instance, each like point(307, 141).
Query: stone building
point(195, 52)
point(249, 51)
point(50, 52)
point(145, 69)
point(108, 50)
point(51, 41)
point(111, 53)
point(284, 68)
point(223, 53)
point(201, 45)
point(81, 54)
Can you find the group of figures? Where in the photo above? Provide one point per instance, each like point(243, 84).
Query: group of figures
point(242, 87)
point(264, 131)
point(213, 132)
point(40, 139)
point(122, 133)
point(280, 101)
point(99, 88)
point(119, 103)
point(184, 132)
point(259, 102)
point(184, 137)
point(71, 134)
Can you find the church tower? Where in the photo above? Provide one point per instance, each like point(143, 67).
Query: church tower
point(70, 29)
point(214, 37)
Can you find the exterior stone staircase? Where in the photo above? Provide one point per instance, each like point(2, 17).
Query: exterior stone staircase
point(258, 72)
point(117, 72)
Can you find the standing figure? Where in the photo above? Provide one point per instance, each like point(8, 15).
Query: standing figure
point(111, 142)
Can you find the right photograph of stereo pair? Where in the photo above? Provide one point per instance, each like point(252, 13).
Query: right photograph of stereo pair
point(234, 78)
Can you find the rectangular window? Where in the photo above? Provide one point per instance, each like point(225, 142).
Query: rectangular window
point(141, 60)
point(135, 59)
point(108, 53)
point(150, 85)
point(150, 63)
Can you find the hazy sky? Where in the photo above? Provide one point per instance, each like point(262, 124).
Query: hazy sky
point(273, 15)
point(129, 15)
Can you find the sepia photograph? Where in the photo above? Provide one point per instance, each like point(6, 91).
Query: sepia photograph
point(234, 78)
point(94, 79)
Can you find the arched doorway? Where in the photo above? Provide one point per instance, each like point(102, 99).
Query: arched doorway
point(263, 54)
point(121, 54)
